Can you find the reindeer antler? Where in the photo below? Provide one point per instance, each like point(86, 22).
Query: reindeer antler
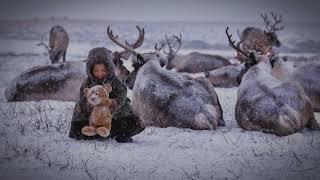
point(171, 41)
point(140, 39)
point(43, 44)
point(156, 47)
point(277, 20)
point(128, 48)
point(236, 47)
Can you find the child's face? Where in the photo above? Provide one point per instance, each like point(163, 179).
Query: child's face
point(99, 71)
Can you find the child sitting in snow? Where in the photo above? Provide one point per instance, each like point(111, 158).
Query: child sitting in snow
point(100, 70)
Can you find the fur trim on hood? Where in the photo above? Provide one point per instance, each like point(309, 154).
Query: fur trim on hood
point(100, 55)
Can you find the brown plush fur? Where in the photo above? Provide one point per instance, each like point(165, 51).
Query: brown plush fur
point(101, 117)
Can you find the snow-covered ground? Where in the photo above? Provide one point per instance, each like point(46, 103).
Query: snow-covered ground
point(35, 144)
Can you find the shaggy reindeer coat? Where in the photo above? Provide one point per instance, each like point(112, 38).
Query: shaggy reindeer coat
point(165, 98)
point(265, 103)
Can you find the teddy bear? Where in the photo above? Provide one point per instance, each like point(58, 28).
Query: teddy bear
point(101, 117)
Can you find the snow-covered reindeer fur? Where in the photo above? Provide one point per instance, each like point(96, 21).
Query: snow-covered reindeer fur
point(308, 75)
point(50, 82)
point(164, 98)
point(266, 103)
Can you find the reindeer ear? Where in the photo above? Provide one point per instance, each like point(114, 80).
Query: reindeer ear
point(85, 91)
point(107, 87)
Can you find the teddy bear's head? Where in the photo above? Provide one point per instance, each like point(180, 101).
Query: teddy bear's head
point(97, 93)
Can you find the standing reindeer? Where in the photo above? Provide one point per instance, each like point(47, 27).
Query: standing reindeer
point(194, 62)
point(165, 98)
point(58, 44)
point(261, 41)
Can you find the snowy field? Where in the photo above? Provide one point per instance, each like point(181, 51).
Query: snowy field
point(34, 135)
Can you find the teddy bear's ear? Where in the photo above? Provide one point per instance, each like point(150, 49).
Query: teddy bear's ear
point(107, 87)
point(85, 91)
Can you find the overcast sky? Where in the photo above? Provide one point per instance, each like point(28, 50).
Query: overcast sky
point(160, 10)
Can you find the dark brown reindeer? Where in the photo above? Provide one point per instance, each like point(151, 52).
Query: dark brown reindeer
point(166, 98)
point(267, 104)
point(58, 44)
point(193, 62)
point(262, 41)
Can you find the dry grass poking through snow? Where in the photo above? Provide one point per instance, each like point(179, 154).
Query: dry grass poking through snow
point(35, 145)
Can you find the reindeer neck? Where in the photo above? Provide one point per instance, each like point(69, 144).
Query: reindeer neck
point(265, 66)
point(283, 70)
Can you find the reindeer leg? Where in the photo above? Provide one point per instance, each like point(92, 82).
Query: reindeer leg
point(64, 56)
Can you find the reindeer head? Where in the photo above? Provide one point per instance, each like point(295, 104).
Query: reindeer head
point(272, 27)
point(242, 55)
point(174, 40)
point(121, 71)
point(138, 60)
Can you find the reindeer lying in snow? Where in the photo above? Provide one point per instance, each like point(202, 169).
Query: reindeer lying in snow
point(165, 98)
point(268, 104)
point(227, 76)
point(54, 82)
point(194, 62)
